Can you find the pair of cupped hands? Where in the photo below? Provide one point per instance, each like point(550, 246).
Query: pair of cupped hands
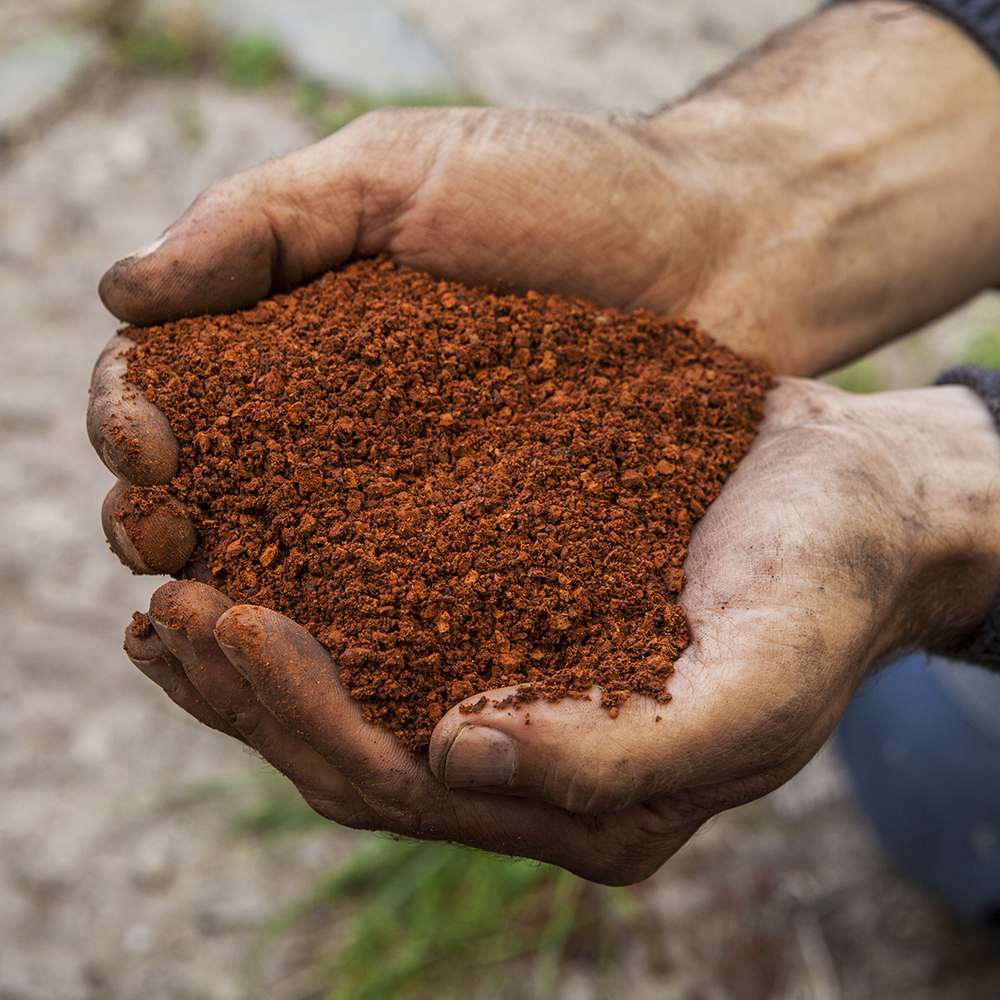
point(856, 525)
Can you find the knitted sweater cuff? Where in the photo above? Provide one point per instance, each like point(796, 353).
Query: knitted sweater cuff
point(978, 18)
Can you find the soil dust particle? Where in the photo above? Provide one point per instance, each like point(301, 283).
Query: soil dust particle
point(454, 490)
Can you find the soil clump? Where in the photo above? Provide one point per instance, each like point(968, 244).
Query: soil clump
point(452, 489)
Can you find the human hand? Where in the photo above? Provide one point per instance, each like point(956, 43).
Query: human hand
point(854, 526)
point(805, 207)
point(547, 199)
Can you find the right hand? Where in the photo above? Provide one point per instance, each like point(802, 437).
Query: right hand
point(552, 201)
point(805, 208)
point(855, 525)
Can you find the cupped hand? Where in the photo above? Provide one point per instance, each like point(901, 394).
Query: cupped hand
point(805, 207)
point(552, 201)
point(547, 200)
point(795, 231)
point(854, 526)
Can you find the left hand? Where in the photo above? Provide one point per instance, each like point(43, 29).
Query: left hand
point(854, 526)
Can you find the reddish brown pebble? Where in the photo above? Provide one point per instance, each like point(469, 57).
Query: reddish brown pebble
point(454, 490)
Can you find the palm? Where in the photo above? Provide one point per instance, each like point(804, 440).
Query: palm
point(791, 593)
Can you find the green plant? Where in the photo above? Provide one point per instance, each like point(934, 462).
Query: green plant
point(434, 920)
point(153, 47)
point(252, 61)
point(263, 803)
point(983, 350)
point(408, 920)
point(861, 376)
point(327, 111)
point(276, 810)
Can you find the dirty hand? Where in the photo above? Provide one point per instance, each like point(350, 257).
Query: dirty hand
point(854, 526)
point(804, 208)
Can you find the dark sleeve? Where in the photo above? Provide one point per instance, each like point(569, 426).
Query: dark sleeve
point(984, 648)
point(978, 18)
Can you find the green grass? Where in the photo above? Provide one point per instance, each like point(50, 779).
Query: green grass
point(182, 43)
point(261, 803)
point(252, 61)
point(276, 810)
point(411, 920)
point(408, 920)
point(861, 376)
point(422, 920)
point(983, 350)
point(159, 48)
point(154, 47)
point(328, 111)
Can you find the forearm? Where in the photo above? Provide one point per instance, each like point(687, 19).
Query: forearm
point(859, 153)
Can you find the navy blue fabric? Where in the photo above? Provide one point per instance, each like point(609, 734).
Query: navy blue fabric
point(929, 780)
point(978, 18)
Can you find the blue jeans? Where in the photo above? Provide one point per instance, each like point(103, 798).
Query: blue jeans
point(921, 741)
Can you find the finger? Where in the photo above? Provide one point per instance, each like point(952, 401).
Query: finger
point(275, 655)
point(269, 228)
point(294, 676)
point(720, 740)
point(131, 435)
point(261, 230)
point(147, 529)
point(148, 652)
point(571, 753)
point(184, 615)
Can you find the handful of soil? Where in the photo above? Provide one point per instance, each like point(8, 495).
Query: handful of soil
point(453, 490)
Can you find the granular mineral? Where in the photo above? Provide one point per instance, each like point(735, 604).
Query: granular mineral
point(454, 490)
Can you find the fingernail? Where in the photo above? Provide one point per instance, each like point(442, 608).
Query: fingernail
point(235, 656)
point(480, 758)
point(147, 250)
point(159, 673)
point(176, 640)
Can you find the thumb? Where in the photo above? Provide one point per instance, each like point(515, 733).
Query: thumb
point(733, 730)
point(571, 753)
point(260, 231)
point(208, 262)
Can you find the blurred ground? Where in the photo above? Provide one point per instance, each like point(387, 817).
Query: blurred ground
point(114, 882)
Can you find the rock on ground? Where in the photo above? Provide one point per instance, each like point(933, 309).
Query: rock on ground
point(365, 45)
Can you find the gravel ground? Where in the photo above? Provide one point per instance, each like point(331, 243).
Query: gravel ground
point(114, 883)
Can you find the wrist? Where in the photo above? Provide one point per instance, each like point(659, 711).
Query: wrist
point(844, 216)
point(948, 451)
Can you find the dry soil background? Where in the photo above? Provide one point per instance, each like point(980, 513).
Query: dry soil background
point(111, 883)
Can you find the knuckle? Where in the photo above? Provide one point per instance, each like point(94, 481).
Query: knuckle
point(344, 809)
point(251, 722)
point(602, 787)
point(630, 857)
